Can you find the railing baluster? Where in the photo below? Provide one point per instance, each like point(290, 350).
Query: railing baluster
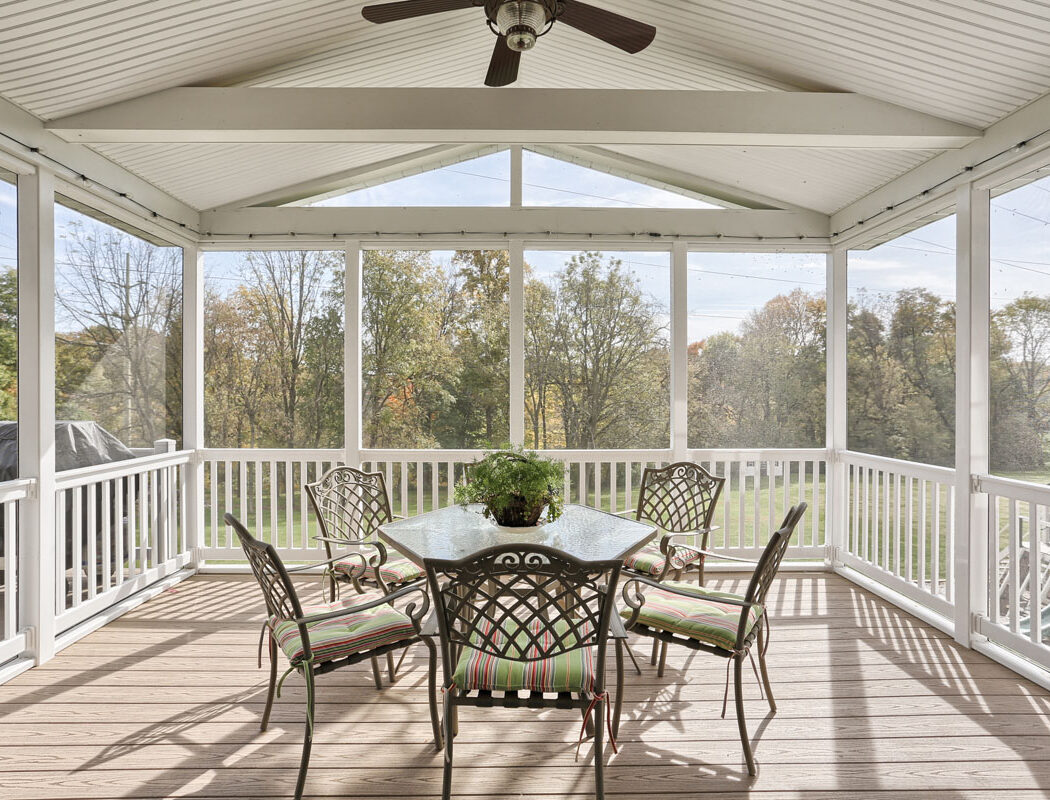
point(107, 535)
point(1015, 567)
point(10, 569)
point(922, 534)
point(1035, 575)
point(993, 560)
point(935, 546)
point(91, 571)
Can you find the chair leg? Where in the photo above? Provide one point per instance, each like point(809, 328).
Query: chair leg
point(663, 659)
point(762, 668)
point(273, 683)
point(634, 660)
point(599, 760)
point(308, 739)
point(656, 652)
point(375, 672)
point(738, 690)
point(435, 721)
point(390, 668)
point(618, 707)
point(446, 779)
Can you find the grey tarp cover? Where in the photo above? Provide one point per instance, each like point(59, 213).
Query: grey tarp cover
point(77, 444)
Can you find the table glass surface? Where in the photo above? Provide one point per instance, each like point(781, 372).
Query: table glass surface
point(457, 531)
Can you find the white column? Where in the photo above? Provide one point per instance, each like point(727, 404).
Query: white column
point(515, 176)
point(38, 593)
point(517, 341)
point(836, 432)
point(193, 396)
point(971, 406)
point(679, 350)
point(352, 354)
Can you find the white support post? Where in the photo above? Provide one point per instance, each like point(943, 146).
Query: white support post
point(352, 354)
point(836, 433)
point(679, 350)
point(971, 407)
point(515, 176)
point(517, 341)
point(38, 592)
point(193, 397)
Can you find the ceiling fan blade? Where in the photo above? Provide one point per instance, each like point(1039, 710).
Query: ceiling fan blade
point(406, 9)
point(503, 68)
point(623, 32)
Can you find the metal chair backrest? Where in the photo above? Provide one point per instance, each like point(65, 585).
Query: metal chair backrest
point(680, 497)
point(350, 504)
point(282, 601)
point(522, 602)
point(769, 561)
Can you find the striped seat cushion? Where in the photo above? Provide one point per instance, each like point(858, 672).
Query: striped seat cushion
point(650, 561)
point(396, 570)
point(568, 672)
point(701, 617)
point(399, 569)
point(356, 632)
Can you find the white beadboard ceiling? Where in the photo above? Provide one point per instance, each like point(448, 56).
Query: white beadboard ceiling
point(971, 61)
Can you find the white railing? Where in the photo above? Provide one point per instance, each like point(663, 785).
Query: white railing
point(1018, 560)
point(119, 528)
point(900, 527)
point(264, 488)
point(12, 641)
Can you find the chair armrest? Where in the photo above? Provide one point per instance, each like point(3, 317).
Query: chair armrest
point(712, 554)
point(379, 601)
point(628, 597)
point(331, 560)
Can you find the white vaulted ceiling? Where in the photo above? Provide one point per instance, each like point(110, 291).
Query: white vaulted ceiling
point(970, 61)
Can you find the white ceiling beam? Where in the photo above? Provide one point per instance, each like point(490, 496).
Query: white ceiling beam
point(513, 116)
point(362, 177)
point(893, 206)
point(98, 170)
point(501, 223)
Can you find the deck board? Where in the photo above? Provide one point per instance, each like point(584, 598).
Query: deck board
point(165, 702)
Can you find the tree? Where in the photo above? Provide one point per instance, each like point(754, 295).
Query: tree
point(117, 297)
point(612, 365)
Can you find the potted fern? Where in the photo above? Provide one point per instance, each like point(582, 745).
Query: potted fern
point(515, 487)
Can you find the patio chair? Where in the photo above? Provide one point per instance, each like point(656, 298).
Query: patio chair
point(317, 640)
point(723, 624)
point(680, 499)
point(350, 505)
point(522, 618)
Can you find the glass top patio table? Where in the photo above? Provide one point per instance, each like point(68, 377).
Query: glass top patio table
point(458, 531)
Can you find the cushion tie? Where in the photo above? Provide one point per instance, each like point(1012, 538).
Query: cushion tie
point(729, 661)
point(608, 722)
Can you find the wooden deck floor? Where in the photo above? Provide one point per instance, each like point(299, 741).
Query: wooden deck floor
point(872, 704)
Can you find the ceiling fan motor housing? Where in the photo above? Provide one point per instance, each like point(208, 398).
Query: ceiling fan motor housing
point(521, 22)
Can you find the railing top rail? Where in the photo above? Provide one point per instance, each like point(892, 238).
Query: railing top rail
point(72, 478)
point(272, 454)
point(895, 465)
point(758, 454)
point(16, 489)
point(1012, 488)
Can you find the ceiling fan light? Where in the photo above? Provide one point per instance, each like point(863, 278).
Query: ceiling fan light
point(521, 21)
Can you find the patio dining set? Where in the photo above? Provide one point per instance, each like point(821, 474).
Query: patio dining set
point(517, 617)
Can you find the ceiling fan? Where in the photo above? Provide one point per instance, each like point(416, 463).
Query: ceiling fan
point(519, 23)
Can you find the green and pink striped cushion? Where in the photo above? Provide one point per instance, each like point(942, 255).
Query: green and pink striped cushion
point(399, 569)
point(569, 672)
point(396, 570)
point(650, 561)
point(341, 637)
point(701, 617)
